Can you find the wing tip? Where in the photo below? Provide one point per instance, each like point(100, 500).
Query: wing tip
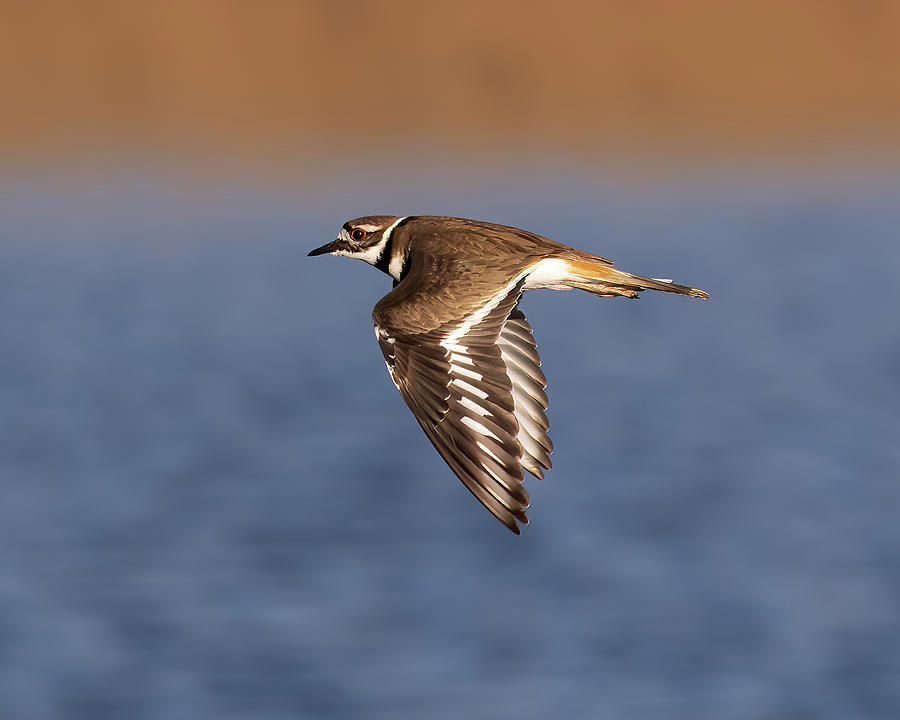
point(513, 526)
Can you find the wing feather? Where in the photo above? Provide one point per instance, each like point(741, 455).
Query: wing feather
point(473, 383)
point(519, 352)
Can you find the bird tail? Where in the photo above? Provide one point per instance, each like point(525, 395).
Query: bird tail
point(600, 278)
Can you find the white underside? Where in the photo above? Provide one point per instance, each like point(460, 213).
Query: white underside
point(548, 274)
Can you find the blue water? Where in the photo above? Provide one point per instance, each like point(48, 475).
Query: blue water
point(214, 504)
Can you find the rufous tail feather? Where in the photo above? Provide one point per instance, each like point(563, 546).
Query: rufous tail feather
point(602, 279)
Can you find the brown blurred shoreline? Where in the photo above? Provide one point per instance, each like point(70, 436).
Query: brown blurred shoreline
point(315, 78)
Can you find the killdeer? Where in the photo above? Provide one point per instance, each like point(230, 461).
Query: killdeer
point(458, 348)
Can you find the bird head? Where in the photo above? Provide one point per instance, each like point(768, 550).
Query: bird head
point(364, 238)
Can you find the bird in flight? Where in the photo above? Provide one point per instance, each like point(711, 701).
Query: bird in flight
point(458, 348)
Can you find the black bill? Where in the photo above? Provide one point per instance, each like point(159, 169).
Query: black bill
point(324, 250)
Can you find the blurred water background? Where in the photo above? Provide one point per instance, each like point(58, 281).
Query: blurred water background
point(214, 503)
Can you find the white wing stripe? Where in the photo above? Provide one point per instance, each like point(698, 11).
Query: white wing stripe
point(474, 407)
point(486, 449)
point(465, 372)
point(482, 312)
point(469, 388)
point(457, 358)
point(473, 424)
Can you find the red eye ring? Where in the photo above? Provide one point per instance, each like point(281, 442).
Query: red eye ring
point(357, 234)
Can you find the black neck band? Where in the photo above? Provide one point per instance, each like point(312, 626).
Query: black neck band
point(384, 260)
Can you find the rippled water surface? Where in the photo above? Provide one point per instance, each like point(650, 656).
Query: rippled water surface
point(213, 502)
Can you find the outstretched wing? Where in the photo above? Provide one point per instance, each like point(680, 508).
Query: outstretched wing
point(523, 364)
point(474, 385)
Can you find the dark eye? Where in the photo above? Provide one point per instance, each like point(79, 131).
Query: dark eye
point(358, 234)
